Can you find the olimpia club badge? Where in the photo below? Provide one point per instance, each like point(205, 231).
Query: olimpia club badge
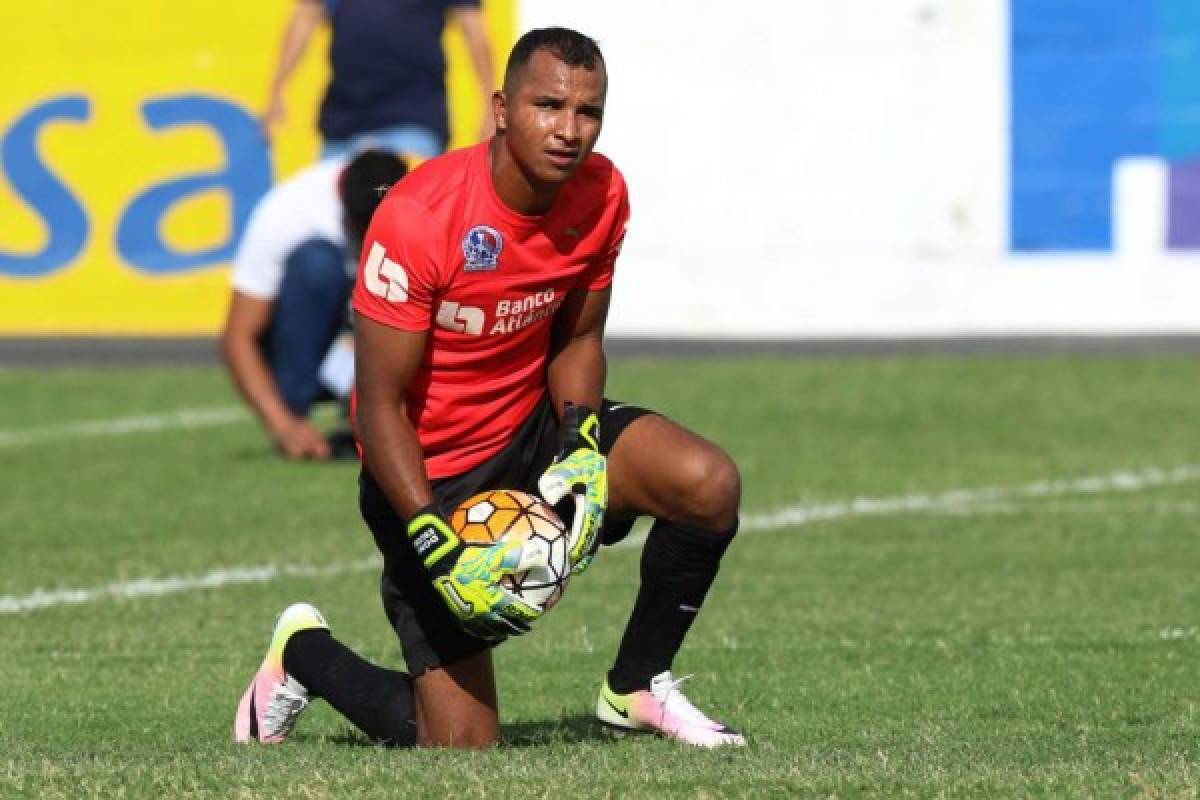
point(481, 247)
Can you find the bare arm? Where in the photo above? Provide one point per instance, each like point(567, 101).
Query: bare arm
point(577, 367)
point(386, 359)
point(470, 22)
point(304, 20)
point(247, 321)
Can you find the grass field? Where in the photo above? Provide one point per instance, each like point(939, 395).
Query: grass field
point(958, 577)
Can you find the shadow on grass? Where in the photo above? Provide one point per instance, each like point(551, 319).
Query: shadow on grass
point(349, 737)
point(573, 729)
point(266, 454)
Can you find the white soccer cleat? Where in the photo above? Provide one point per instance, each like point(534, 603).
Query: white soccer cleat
point(274, 700)
point(664, 710)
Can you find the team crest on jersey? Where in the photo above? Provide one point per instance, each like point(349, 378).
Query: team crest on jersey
point(481, 247)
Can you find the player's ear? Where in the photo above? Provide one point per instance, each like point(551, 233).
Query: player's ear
point(500, 110)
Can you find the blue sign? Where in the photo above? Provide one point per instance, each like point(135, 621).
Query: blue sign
point(1093, 82)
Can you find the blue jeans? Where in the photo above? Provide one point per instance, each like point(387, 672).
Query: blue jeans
point(413, 140)
point(310, 310)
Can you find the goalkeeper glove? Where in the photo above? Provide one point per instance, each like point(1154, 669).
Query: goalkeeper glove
point(468, 578)
point(581, 470)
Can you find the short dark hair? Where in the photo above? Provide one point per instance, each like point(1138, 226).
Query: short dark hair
point(571, 47)
point(364, 182)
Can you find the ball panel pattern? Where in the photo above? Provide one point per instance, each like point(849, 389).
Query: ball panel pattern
point(489, 516)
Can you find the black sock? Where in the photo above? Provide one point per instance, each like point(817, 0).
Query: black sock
point(378, 701)
point(679, 563)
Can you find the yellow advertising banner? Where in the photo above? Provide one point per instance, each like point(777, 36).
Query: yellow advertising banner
point(130, 155)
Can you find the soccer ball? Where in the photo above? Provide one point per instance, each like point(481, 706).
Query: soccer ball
point(490, 516)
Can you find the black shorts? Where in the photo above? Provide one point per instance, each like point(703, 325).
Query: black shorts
point(430, 636)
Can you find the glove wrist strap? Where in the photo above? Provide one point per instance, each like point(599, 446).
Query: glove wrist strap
point(432, 537)
point(580, 428)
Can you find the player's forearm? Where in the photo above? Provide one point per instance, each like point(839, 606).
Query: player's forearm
point(299, 31)
point(254, 381)
point(577, 372)
point(394, 457)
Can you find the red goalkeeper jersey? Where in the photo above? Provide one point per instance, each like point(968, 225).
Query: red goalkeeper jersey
point(443, 254)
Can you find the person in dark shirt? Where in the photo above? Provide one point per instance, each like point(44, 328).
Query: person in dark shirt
point(387, 88)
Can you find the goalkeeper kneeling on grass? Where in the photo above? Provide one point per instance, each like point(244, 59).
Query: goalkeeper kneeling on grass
point(480, 305)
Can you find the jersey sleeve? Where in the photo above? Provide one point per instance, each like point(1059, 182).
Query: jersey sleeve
point(398, 271)
point(600, 276)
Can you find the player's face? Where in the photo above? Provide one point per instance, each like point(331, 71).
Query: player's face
point(551, 117)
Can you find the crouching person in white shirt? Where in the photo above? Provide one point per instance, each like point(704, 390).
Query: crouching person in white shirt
point(287, 339)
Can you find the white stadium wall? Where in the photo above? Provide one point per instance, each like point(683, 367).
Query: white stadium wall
point(843, 170)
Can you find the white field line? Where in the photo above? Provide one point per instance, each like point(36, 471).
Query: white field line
point(119, 426)
point(954, 501)
point(157, 587)
point(960, 500)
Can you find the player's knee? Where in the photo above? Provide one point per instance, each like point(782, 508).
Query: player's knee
point(473, 737)
point(475, 740)
point(714, 490)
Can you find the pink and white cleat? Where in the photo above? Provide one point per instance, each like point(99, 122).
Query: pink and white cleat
point(664, 710)
point(274, 700)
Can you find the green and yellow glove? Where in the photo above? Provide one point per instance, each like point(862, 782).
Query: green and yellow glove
point(468, 578)
point(581, 470)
